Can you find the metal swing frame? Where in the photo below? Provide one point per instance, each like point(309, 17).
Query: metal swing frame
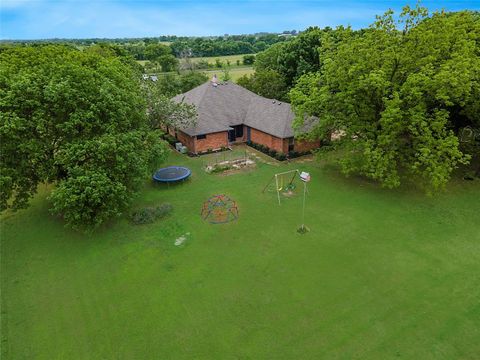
point(294, 173)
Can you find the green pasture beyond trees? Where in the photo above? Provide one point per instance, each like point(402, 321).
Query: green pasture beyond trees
point(382, 274)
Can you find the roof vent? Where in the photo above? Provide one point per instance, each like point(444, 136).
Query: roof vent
point(279, 103)
point(273, 102)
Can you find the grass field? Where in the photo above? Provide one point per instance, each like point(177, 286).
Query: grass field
point(381, 275)
point(211, 59)
point(235, 71)
point(232, 58)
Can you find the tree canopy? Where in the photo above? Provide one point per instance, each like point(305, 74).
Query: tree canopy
point(77, 120)
point(293, 58)
point(267, 83)
point(397, 92)
point(163, 112)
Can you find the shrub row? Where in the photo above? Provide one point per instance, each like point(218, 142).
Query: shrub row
point(295, 154)
point(273, 153)
point(266, 150)
point(148, 215)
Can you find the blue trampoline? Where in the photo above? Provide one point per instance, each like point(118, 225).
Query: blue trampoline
point(171, 174)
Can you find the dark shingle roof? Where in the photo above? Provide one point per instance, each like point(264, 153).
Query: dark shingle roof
point(222, 106)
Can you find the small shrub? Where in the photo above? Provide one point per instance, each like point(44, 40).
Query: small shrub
point(209, 150)
point(163, 210)
point(281, 157)
point(292, 154)
point(220, 168)
point(170, 139)
point(272, 152)
point(249, 143)
point(303, 230)
point(148, 215)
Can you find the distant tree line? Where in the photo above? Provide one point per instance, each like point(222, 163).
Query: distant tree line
point(193, 46)
point(278, 67)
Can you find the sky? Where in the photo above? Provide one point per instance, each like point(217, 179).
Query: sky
point(43, 19)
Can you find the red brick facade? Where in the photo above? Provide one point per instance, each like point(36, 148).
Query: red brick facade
point(215, 141)
point(268, 140)
point(186, 140)
point(304, 145)
point(212, 141)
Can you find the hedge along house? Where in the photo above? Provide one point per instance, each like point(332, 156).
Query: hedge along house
point(229, 113)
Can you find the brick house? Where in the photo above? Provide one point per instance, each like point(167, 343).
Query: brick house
point(229, 113)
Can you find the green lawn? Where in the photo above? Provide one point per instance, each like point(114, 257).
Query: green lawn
point(211, 59)
point(382, 275)
point(235, 73)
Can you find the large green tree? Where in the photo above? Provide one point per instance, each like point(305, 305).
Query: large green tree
point(267, 83)
point(77, 120)
point(397, 92)
point(293, 58)
point(168, 63)
point(154, 51)
point(163, 112)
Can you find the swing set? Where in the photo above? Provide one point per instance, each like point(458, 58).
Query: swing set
point(284, 182)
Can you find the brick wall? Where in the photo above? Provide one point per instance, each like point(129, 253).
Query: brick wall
point(304, 145)
point(215, 141)
point(212, 141)
point(186, 140)
point(268, 140)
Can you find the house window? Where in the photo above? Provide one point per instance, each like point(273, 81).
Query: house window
point(201, 137)
point(291, 144)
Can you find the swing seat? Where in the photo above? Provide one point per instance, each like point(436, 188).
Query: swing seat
point(290, 187)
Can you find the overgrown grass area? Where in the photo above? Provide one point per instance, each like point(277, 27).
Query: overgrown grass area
point(382, 274)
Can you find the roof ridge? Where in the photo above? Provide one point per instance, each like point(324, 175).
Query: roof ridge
point(230, 104)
